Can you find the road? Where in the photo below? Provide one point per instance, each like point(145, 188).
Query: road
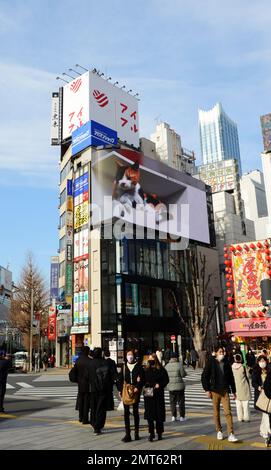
point(40, 414)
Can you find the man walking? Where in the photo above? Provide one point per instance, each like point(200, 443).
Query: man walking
point(100, 383)
point(82, 367)
point(4, 366)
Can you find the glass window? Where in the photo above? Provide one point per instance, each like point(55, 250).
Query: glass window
point(131, 299)
point(158, 340)
point(153, 260)
point(159, 261)
point(147, 270)
point(62, 269)
point(144, 300)
point(168, 302)
point(63, 196)
point(62, 220)
point(62, 243)
point(157, 301)
point(139, 258)
point(131, 255)
point(65, 171)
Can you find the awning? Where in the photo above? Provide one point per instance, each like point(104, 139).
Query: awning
point(249, 327)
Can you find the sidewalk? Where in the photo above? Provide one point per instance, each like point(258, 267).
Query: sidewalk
point(54, 425)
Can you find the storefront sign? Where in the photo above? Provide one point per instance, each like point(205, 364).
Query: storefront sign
point(79, 329)
point(249, 327)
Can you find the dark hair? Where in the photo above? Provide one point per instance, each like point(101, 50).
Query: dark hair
point(157, 364)
point(217, 347)
point(261, 357)
point(174, 355)
point(238, 357)
point(85, 350)
point(264, 351)
point(106, 353)
point(97, 353)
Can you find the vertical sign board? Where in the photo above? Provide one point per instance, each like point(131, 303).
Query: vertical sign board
point(266, 132)
point(52, 324)
point(55, 119)
point(54, 277)
point(75, 104)
point(68, 279)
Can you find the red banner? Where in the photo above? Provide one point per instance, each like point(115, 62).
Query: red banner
point(52, 327)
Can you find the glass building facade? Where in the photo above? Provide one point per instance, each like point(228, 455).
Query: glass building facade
point(218, 136)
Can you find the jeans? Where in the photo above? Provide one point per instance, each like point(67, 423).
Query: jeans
point(177, 398)
point(217, 398)
point(127, 417)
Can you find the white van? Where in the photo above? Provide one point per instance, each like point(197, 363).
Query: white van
point(20, 358)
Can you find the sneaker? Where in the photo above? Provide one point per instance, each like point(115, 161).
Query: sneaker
point(173, 418)
point(232, 438)
point(220, 436)
point(182, 419)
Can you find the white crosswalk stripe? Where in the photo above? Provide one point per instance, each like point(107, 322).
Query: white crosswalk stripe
point(10, 386)
point(24, 385)
point(52, 378)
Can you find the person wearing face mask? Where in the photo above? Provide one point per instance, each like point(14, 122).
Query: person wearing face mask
point(217, 380)
point(132, 373)
point(156, 379)
point(259, 376)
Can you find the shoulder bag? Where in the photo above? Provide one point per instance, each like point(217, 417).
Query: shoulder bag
point(264, 403)
point(129, 396)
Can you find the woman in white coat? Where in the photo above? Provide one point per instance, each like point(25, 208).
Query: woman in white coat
point(242, 389)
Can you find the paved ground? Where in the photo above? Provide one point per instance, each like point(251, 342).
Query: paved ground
point(41, 415)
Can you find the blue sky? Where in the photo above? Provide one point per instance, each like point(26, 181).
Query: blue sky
point(178, 55)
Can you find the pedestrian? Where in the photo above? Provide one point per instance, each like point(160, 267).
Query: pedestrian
point(156, 379)
point(81, 370)
point(4, 368)
point(217, 380)
point(266, 420)
point(243, 393)
point(159, 355)
point(187, 358)
point(258, 377)
point(100, 388)
point(194, 357)
point(167, 355)
point(250, 360)
point(132, 373)
point(45, 360)
point(114, 376)
point(176, 387)
point(52, 361)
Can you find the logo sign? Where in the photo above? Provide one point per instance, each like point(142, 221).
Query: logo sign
point(100, 98)
point(92, 134)
point(69, 187)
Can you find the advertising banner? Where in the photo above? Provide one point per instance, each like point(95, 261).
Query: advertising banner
point(92, 98)
point(92, 134)
point(68, 283)
point(69, 253)
point(80, 189)
point(266, 131)
point(55, 119)
point(76, 309)
point(249, 268)
point(81, 276)
point(52, 327)
point(221, 176)
point(80, 315)
point(81, 245)
point(80, 215)
point(69, 187)
point(54, 280)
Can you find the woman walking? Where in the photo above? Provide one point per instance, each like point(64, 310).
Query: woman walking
point(259, 377)
point(132, 374)
point(243, 394)
point(156, 379)
point(176, 386)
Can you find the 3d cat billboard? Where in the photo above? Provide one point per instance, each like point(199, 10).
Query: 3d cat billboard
point(129, 187)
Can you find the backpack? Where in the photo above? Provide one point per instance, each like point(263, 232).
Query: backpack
point(73, 375)
point(102, 379)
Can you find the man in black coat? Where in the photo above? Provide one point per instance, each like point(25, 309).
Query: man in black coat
point(114, 375)
point(100, 383)
point(218, 380)
point(82, 367)
point(4, 367)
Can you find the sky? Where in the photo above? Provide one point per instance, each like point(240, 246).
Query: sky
point(179, 55)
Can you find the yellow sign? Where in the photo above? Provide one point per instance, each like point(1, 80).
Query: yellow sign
point(81, 215)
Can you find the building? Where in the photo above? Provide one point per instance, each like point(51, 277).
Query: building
point(255, 204)
point(9, 337)
point(266, 164)
point(218, 136)
point(169, 150)
point(126, 222)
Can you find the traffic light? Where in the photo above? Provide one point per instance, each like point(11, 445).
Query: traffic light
point(63, 306)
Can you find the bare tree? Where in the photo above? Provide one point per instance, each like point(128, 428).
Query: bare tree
point(198, 299)
point(20, 312)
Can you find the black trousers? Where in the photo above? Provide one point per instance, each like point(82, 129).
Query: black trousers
point(177, 398)
point(127, 417)
point(194, 363)
point(97, 410)
point(83, 406)
point(159, 427)
point(2, 395)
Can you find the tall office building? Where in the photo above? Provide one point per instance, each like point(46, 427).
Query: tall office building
point(218, 136)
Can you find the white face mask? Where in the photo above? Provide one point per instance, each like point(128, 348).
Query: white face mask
point(262, 365)
point(130, 359)
point(220, 357)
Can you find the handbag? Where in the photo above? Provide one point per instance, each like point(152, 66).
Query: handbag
point(264, 403)
point(148, 392)
point(129, 396)
point(73, 375)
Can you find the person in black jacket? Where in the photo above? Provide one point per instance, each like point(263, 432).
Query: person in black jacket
point(259, 374)
point(81, 369)
point(217, 380)
point(156, 378)
point(100, 386)
point(131, 373)
point(4, 367)
point(251, 360)
point(114, 375)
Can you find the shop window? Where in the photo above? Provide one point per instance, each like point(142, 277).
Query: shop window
point(144, 300)
point(131, 299)
point(157, 301)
